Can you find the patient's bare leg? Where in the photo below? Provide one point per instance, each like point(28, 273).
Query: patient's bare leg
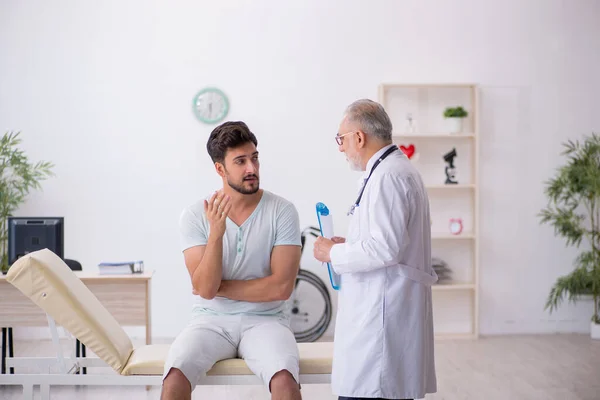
point(284, 387)
point(176, 386)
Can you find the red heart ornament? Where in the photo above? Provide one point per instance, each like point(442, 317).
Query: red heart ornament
point(409, 151)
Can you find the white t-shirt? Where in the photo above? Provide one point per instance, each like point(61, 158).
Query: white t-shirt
point(246, 248)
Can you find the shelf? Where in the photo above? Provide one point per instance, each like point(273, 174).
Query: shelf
point(453, 286)
point(449, 236)
point(433, 135)
point(451, 186)
point(416, 110)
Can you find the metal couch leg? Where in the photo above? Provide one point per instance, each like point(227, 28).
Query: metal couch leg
point(27, 391)
point(3, 367)
point(11, 347)
point(45, 391)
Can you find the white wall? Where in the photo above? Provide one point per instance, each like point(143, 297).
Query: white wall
point(104, 90)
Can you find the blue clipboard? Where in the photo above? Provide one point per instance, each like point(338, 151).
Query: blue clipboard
point(326, 227)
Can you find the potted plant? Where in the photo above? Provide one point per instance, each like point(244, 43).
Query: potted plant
point(454, 118)
point(17, 177)
point(574, 211)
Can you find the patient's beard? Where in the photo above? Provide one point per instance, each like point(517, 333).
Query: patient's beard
point(245, 189)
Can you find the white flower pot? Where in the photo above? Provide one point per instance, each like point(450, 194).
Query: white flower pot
point(454, 124)
point(595, 330)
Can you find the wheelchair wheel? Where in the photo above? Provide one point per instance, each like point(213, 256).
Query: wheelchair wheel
point(310, 307)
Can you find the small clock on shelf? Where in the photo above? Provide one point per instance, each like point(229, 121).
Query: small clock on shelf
point(456, 226)
point(210, 105)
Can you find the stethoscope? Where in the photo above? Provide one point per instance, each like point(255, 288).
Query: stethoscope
point(379, 160)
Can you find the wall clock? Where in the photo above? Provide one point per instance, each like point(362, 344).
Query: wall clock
point(210, 105)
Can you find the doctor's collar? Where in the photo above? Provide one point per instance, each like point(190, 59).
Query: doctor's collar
point(375, 157)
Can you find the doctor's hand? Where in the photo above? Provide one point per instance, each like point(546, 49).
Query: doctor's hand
point(337, 239)
point(322, 249)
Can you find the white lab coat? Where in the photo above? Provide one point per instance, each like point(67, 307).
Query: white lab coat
point(384, 329)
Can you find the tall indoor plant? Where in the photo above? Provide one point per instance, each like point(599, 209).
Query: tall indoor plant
point(574, 211)
point(18, 176)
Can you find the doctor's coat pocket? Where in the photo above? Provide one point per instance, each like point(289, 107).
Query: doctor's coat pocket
point(362, 301)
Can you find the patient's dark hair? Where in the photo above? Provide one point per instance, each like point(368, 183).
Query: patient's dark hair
point(228, 135)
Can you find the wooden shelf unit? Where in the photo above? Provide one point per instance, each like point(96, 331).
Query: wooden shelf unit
point(455, 303)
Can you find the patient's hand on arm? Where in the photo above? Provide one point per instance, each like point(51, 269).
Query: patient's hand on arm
point(285, 262)
point(204, 263)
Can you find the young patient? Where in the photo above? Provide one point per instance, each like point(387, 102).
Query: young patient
point(241, 246)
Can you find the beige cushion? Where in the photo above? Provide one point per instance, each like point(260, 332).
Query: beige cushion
point(49, 282)
point(315, 358)
point(147, 360)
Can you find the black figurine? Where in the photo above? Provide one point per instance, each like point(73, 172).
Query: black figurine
point(450, 170)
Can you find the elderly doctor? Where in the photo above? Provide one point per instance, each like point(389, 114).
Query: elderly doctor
point(383, 346)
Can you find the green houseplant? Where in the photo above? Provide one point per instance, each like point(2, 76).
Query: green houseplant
point(455, 112)
point(454, 117)
point(574, 211)
point(18, 176)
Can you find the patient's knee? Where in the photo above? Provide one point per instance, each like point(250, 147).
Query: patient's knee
point(283, 380)
point(175, 379)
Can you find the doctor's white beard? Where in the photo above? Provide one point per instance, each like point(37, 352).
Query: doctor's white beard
point(354, 163)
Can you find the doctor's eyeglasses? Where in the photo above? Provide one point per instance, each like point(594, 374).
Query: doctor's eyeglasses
point(338, 138)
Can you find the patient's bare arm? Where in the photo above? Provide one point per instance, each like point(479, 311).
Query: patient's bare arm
point(204, 263)
point(285, 262)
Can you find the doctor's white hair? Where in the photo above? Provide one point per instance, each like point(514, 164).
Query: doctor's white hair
point(371, 118)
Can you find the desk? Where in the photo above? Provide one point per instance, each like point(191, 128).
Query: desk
point(126, 297)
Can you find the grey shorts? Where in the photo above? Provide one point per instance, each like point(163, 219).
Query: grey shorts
point(266, 343)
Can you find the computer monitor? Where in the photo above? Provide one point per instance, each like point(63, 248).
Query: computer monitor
point(28, 234)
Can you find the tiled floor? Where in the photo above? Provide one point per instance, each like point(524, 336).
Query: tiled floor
point(561, 367)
